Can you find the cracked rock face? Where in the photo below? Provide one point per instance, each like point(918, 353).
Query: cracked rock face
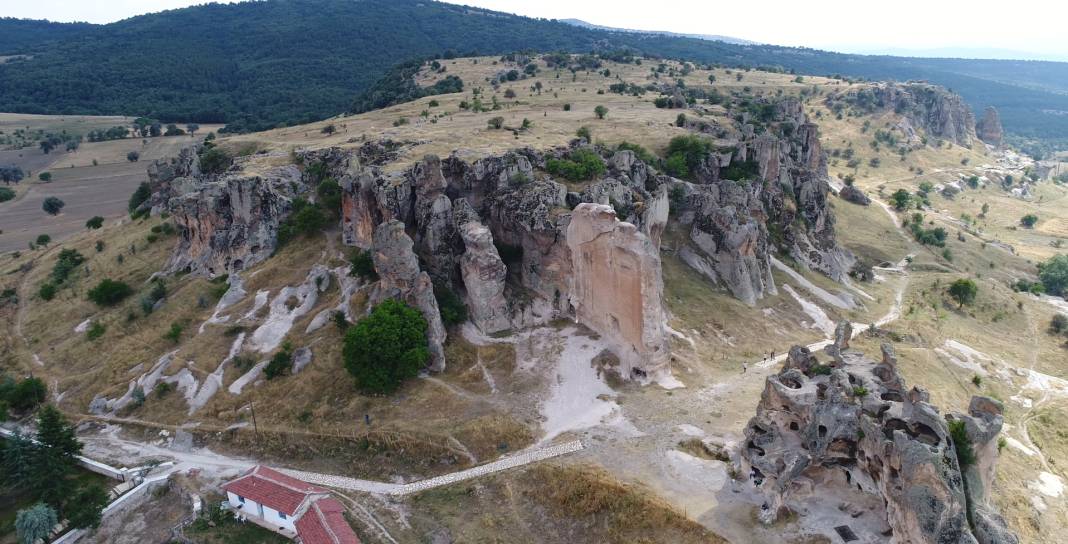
point(483, 272)
point(230, 223)
point(402, 279)
point(616, 287)
point(939, 112)
point(847, 427)
point(988, 129)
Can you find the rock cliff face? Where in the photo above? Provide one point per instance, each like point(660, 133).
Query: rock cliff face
point(847, 429)
point(779, 202)
point(616, 286)
point(401, 279)
point(498, 231)
point(989, 127)
point(939, 112)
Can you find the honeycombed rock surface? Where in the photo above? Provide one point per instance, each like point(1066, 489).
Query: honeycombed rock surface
point(823, 428)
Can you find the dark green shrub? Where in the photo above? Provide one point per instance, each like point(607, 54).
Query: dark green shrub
point(581, 165)
point(215, 161)
point(452, 309)
point(174, 334)
point(139, 197)
point(280, 363)
point(47, 291)
point(363, 265)
point(109, 292)
point(52, 205)
point(68, 260)
point(96, 330)
point(94, 222)
point(959, 433)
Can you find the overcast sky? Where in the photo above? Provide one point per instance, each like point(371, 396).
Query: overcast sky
point(1031, 27)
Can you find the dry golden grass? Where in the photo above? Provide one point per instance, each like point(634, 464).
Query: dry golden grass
point(555, 504)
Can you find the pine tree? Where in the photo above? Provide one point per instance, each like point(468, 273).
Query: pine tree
point(54, 460)
point(35, 522)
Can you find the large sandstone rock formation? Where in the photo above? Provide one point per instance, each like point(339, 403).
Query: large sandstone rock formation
point(779, 202)
point(823, 429)
point(940, 113)
point(616, 286)
point(230, 223)
point(988, 129)
point(401, 278)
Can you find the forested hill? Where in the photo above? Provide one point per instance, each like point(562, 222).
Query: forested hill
point(257, 65)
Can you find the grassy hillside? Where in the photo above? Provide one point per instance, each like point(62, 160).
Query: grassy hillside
point(641, 477)
point(258, 65)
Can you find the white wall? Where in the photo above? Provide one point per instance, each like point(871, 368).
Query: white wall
point(252, 508)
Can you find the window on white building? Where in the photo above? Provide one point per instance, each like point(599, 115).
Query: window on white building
point(241, 499)
point(281, 515)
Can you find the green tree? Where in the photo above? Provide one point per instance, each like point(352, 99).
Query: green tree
point(94, 222)
point(900, 199)
point(27, 394)
point(16, 460)
point(1029, 220)
point(55, 459)
point(139, 197)
point(1054, 275)
point(386, 347)
point(45, 176)
point(584, 132)
point(600, 112)
point(963, 291)
point(215, 161)
point(133, 156)
point(52, 205)
point(35, 522)
point(6, 194)
point(109, 292)
point(85, 507)
point(43, 240)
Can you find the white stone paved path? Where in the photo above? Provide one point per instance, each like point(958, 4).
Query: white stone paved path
point(383, 488)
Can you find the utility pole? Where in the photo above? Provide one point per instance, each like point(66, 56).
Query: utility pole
point(252, 408)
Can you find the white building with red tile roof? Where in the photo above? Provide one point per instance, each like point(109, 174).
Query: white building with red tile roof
point(289, 506)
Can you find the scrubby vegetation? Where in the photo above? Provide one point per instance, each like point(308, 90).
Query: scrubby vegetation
point(580, 165)
point(109, 292)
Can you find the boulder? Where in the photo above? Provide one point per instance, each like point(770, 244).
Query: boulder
point(850, 193)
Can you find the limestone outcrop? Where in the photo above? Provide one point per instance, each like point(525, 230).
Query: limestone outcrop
point(847, 429)
point(988, 129)
point(940, 113)
point(229, 223)
point(483, 273)
point(616, 286)
point(401, 278)
point(765, 193)
point(850, 193)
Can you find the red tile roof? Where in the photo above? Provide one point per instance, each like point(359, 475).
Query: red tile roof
point(273, 489)
point(324, 523)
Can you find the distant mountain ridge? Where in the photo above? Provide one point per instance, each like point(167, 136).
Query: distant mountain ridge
point(258, 65)
point(709, 37)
